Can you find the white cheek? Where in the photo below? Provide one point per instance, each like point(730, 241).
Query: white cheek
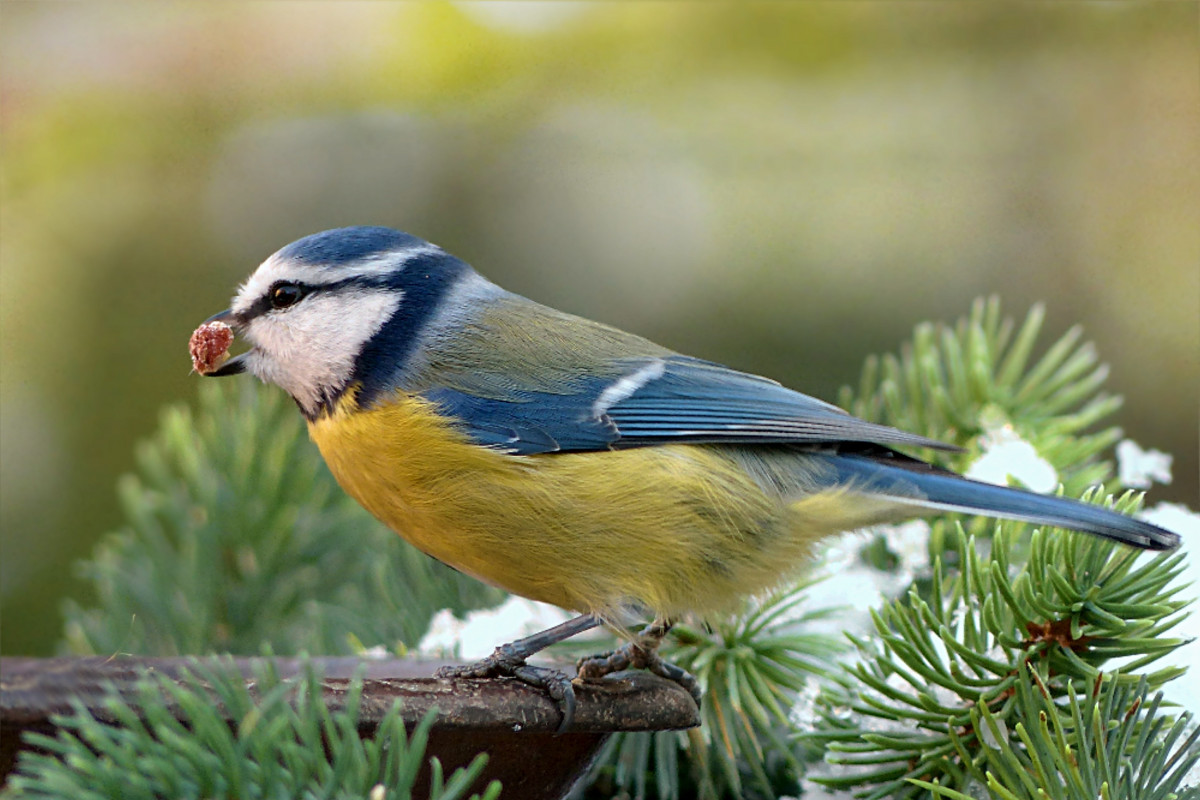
point(310, 349)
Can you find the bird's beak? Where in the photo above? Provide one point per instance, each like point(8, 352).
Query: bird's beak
point(237, 364)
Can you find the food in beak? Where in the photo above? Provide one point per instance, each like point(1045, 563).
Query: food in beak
point(209, 346)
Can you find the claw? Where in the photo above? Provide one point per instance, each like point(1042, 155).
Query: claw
point(504, 663)
point(641, 653)
point(509, 660)
point(679, 675)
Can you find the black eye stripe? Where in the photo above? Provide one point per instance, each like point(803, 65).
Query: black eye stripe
point(266, 302)
point(269, 300)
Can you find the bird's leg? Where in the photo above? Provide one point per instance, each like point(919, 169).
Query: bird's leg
point(641, 653)
point(509, 659)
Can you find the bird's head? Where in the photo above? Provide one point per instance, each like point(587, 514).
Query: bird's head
point(337, 308)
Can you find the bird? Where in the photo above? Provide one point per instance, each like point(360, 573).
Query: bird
point(571, 462)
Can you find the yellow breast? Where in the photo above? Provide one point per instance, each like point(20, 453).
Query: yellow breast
point(677, 529)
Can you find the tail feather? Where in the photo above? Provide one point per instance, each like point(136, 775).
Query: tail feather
point(932, 488)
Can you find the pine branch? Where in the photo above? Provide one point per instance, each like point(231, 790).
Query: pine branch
point(1078, 603)
point(1078, 752)
point(957, 383)
point(237, 536)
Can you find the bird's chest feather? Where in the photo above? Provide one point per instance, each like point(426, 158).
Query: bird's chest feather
point(412, 470)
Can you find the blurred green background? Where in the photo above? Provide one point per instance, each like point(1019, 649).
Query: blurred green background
point(782, 187)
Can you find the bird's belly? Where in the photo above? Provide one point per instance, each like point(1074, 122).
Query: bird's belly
point(675, 529)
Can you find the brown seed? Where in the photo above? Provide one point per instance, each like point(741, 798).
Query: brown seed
point(209, 346)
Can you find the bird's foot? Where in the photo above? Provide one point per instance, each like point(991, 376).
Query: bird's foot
point(507, 663)
point(509, 660)
point(637, 655)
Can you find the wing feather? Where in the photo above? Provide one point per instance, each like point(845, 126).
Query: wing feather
point(704, 402)
point(653, 401)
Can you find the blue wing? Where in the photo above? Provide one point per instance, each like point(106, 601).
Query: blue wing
point(655, 400)
point(527, 422)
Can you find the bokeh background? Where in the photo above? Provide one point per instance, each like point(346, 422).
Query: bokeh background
point(784, 187)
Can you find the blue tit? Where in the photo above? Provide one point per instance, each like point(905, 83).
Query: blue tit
point(570, 462)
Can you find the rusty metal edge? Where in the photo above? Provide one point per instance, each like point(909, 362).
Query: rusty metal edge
point(33, 689)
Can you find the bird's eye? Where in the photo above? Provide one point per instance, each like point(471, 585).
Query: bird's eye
point(286, 294)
